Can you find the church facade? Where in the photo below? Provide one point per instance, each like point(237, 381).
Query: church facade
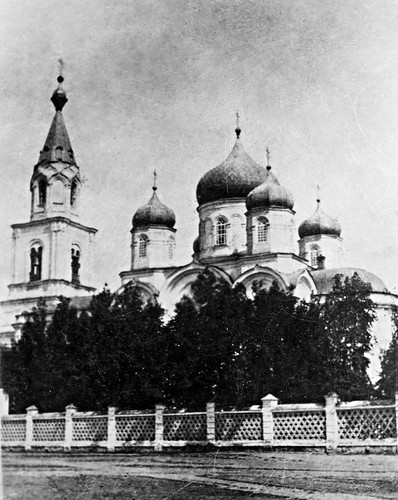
point(246, 233)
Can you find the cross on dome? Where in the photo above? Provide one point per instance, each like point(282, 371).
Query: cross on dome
point(237, 130)
point(155, 175)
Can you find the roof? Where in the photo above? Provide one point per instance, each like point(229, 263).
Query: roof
point(269, 194)
point(57, 138)
point(323, 278)
point(154, 213)
point(319, 223)
point(235, 177)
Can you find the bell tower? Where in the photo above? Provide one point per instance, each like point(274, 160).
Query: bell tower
point(52, 253)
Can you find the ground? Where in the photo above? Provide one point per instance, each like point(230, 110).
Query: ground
point(199, 476)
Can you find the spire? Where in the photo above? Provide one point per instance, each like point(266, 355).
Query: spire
point(57, 146)
point(237, 130)
point(318, 191)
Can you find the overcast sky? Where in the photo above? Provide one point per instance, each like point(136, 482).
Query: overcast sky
point(156, 84)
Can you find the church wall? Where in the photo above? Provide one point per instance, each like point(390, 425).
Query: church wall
point(280, 232)
point(233, 212)
point(159, 247)
point(329, 247)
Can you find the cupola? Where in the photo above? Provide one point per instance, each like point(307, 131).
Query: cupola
point(270, 193)
point(235, 177)
point(319, 223)
point(154, 213)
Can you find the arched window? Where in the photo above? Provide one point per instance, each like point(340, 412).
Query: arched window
point(314, 254)
point(36, 254)
point(142, 246)
point(221, 231)
point(73, 193)
point(171, 248)
point(42, 192)
point(58, 153)
point(75, 264)
point(262, 230)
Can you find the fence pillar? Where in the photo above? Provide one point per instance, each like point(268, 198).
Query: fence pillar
point(30, 412)
point(159, 409)
point(69, 411)
point(332, 424)
point(111, 441)
point(4, 402)
point(269, 403)
point(211, 422)
point(396, 418)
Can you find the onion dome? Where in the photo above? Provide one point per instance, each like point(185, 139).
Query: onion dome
point(154, 213)
point(59, 98)
point(319, 223)
point(235, 177)
point(270, 193)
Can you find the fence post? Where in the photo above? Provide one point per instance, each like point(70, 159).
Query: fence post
point(111, 441)
point(269, 403)
point(30, 412)
point(211, 422)
point(159, 409)
point(69, 411)
point(332, 424)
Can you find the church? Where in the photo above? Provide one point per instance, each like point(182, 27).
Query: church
point(247, 232)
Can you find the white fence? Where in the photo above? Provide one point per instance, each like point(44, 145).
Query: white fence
point(333, 425)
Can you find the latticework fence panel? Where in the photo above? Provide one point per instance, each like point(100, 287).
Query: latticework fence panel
point(299, 425)
point(13, 430)
point(367, 423)
point(48, 429)
point(238, 426)
point(135, 428)
point(92, 429)
point(184, 427)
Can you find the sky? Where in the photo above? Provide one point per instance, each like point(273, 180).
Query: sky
point(156, 85)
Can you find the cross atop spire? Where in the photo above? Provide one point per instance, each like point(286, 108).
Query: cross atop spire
point(155, 175)
point(318, 190)
point(237, 130)
point(268, 156)
point(61, 65)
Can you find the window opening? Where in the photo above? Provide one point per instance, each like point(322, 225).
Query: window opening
point(75, 265)
point(42, 192)
point(221, 232)
point(314, 256)
point(171, 249)
point(35, 263)
point(142, 247)
point(73, 193)
point(262, 231)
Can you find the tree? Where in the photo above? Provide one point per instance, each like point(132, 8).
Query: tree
point(387, 386)
point(345, 328)
point(205, 343)
point(23, 372)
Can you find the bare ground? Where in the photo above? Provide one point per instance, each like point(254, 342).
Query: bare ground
point(199, 476)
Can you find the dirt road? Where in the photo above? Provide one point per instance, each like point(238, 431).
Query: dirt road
point(219, 475)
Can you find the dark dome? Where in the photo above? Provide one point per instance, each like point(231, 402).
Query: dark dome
point(154, 213)
point(319, 223)
point(235, 177)
point(324, 278)
point(269, 194)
